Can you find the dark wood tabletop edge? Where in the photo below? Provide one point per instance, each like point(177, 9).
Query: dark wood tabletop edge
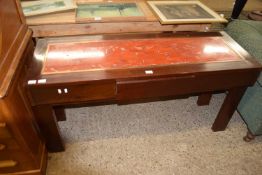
point(139, 73)
point(80, 78)
point(123, 36)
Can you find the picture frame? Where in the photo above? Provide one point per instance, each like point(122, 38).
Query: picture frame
point(109, 11)
point(179, 12)
point(33, 8)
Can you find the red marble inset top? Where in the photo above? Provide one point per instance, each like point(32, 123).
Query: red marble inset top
point(118, 54)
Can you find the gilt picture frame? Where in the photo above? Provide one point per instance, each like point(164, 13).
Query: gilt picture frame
point(179, 12)
point(33, 8)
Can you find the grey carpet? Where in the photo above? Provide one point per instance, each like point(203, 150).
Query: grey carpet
point(113, 121)
point(158, 138)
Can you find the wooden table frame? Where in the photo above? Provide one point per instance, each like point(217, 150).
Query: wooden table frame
point(133, 85)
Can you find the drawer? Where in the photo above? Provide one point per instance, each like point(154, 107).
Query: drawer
point(151, 88)
point(4, 132)
point(187, 84)
point(8, 144)
point(72, 93)
point(15, 161)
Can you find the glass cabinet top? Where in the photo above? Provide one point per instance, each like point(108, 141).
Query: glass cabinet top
point(61, 57)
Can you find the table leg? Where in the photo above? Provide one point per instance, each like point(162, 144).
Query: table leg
point(47, 122)
point(204, 99)
point(228, 108)
point(239, 5)
point(60, 113)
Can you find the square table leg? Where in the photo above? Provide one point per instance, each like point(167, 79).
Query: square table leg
point(228, 108)
point(204, 99)
point(47, 121)
point(60, 113)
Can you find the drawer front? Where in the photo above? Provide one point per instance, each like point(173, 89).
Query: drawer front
point(182, 85)
point(72, 93)
point(15, 161)
point(4, 132)
point(142, 89)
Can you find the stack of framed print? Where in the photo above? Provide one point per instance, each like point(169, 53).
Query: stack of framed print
point(177, 12)
point(101, 17)
point(33, 8)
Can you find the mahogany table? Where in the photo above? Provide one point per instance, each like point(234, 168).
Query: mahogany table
point(131, 68)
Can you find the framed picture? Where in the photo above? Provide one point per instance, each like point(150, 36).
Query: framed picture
point(177, 12)
point(103, 11)
point(32, 8)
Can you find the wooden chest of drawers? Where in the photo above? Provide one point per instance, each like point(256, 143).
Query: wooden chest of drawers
point(22, 151)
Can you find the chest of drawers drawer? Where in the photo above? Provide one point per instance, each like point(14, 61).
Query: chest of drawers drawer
point(12, 161)
point(72, 93)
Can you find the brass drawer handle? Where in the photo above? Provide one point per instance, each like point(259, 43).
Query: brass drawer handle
point(7, 163)
point(2, 125)
point(2, 147)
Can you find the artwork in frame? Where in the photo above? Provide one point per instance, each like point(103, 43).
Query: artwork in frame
point(108, 11)
point(32, 8)
point(177, 12)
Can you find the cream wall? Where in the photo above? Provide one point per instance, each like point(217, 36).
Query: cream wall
point(228, 4)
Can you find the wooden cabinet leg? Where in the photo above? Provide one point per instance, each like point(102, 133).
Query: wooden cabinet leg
point(228, 108)
point(204, 99)
point(60, 113)
point(47, 122)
